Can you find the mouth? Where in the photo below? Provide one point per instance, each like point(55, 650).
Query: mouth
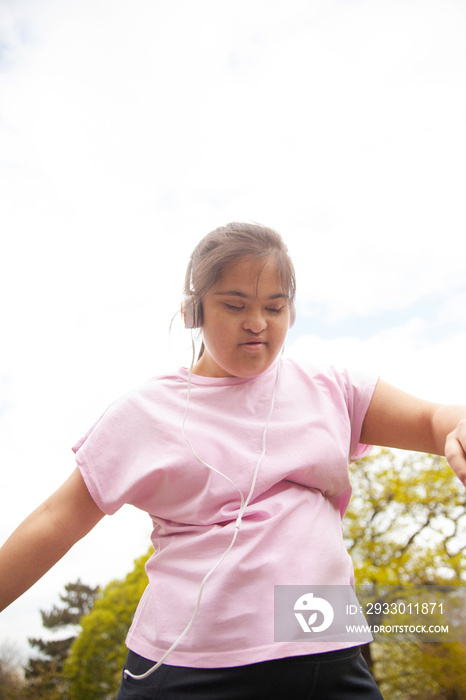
point(253, 344)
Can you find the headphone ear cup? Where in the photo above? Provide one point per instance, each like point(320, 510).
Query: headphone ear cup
point(190, 311)
point(292, 314)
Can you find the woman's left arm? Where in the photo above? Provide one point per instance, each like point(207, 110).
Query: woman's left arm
point(397, 419)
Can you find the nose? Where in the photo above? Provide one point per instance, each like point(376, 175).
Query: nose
point(255, 321)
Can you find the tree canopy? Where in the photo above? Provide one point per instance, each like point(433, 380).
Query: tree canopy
point(97, 656)
point(406, 524)
point(44, 673)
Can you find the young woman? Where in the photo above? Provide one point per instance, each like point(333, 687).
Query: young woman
point(242, 464)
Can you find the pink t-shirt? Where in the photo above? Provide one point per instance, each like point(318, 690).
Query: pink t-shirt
point(291, 531)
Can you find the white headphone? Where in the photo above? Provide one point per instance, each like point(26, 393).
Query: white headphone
point(192, 313)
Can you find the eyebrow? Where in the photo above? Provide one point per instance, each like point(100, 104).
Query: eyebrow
point(236, 293)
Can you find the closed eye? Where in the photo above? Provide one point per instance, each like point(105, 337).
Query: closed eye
point(234, 308)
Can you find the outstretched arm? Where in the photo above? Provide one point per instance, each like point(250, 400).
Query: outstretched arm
point(397, 419)
point(45, 536)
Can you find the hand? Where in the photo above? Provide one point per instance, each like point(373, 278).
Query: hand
point(455, 450)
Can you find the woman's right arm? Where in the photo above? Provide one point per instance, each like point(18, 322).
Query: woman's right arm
point(45, 536)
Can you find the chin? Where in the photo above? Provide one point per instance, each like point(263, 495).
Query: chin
point(252, 371)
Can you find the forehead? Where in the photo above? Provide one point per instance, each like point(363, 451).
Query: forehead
point(252, 275)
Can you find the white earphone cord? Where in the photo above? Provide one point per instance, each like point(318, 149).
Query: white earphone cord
point(244, 505)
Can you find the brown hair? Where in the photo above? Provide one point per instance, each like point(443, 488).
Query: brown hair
point(227, 245)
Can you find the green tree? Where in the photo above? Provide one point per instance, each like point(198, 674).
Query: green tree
point(44, 673)
point(94, 665)
point(412, 671)
point(406, 524)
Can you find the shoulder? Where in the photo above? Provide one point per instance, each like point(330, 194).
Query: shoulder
point(150, 391)
point(349, 383)
point(135, 411)
point(326, 373)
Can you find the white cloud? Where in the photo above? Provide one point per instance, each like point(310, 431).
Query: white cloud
point(399, 355)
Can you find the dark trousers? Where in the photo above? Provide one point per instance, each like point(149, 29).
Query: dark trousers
point(335, 675)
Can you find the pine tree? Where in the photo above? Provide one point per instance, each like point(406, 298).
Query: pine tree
point(95, 663)
point(44, 673)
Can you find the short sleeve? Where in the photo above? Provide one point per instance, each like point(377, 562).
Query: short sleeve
point(359, 389)
point(112, 453)
point(356, 390)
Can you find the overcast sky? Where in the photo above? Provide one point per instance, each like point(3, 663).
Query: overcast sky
point(128, 130)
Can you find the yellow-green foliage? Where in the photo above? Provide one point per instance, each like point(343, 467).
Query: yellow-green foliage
point(410, 671)
point(406, 524)
point(97, 656)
